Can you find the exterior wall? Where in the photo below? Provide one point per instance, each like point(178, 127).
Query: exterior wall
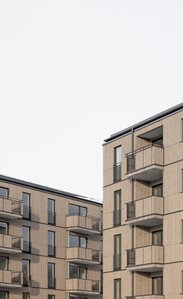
point(171, 207)
point(38, 256)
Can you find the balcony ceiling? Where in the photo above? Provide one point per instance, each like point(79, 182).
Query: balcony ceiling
point(155, 133)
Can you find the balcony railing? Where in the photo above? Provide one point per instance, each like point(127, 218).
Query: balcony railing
point(83, 286)
point(117, 217)
point(147, 257)
point(11, 278)
point(84, 224)
point(145, 159)
point(84, 255)
point(10, 243)
point(26, 246)
point(10, 208)
point(117, 173)
point(146, 297)
point(139, 211)
point(51, 250)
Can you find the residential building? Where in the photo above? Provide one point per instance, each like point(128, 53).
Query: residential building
point(50, 243)
point(143, 209)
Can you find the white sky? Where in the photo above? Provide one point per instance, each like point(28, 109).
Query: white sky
point(74, 71)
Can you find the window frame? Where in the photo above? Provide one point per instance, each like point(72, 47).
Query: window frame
point(116, 254)
point(7, 189)
point(79, 210)
point(117, 280)
point(54, 247)
point(153, 289)
point(29, 238)
point(54, 277)
point(27, 206)
point(116, 194)
point(51, 212)
point(29, 272)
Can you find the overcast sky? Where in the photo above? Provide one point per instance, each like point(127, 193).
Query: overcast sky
point(72, 72)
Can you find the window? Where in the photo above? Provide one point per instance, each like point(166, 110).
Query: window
point(4, 192)
point(117, 252)
point(25, 295)
point(117, 208)
point(51, 276)
point(77, 241)
point(157, 285)
point(182, 128)
point(51, 212)
point(117, 164)
point(77, 272)
point(26, 239)
point(26, 272)
point(51, 296)
point(51, 243)
point(117, 288)
point(26, 205)
point(157, 237)
point(77, 210)
point(4, 295)
point(182, 180)
point(4, 261)
point(3, 228)
point(157, 190)
point(158, 141)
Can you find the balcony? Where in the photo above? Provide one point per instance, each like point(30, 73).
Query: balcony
point(10, 244)
point(82, 286)
point(83, 256)
point(10, 208)
point(10, 279)
point(145, 259)
point(146, 212)
point(84, 224)
point(146, 164)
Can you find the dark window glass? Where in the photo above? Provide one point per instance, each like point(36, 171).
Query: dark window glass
point(4, 295)
point(157, 190)
point(51, 211)
point(4, 192)
point(77, 272)
point(117, 164)
point(77, 210)
point(51, 243)
point(51, 276)
point(26, 205)
point(158, 141)
point(26, 238)
point(3, 228)
point(77, 241)
point(51, 296)
point(117, 252)
point(117, 208)
point(157, 285)
point(3, 263)
point(26, 272)
point(117, 288)
point(157, 237)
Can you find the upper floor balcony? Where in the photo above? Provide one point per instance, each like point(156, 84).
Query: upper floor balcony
point(83, 286)
point(11, 279)
point(10, 244)
point(145, 259)
point(84, 224)
point(84, 255)
point(146, 163)
point(146, 211)
point(10, 208)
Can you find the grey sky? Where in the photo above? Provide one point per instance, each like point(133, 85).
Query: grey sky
point(72, 73)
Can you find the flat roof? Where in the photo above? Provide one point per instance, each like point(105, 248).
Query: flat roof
point(145, 122)
point(50, 190)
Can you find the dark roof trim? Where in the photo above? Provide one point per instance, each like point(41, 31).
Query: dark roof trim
point(145, 122)
point(26, 184)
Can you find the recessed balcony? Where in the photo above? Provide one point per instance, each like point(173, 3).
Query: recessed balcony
point(146, 163)
point(146, 212)
point(145, 259)
point(10, 208)
point(82, 286)
point(83, 256)
point(10, 244)
point(84, 224)
point(10, 279)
